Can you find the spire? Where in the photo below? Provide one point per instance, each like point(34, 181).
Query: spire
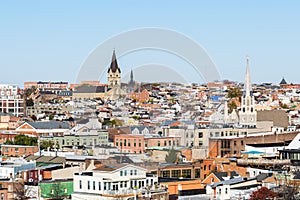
point(283, 81)
point(131, 76)
point(247, 84)
point(114, 65)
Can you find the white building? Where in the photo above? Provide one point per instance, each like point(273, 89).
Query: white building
point(10, 101)
point(111, 182)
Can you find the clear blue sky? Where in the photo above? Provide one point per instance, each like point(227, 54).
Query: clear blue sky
point(49, 40)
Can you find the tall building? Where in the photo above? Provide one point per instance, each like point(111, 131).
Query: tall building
point(114, 73)
point(247, 114)
point(10, 101)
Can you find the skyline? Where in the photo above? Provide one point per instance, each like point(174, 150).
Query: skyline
point(43, 41)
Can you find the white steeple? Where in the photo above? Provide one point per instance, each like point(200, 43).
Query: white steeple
point(247, 114)
point(247, 84)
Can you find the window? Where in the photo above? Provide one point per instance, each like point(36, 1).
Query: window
point(120, 142)
point(204, 168)
point(80, 184)
point(131, 172)
point(16, 149)
point(105, 188)
point(117, 142)
point(134, 143)
point(121, 173)
point(158, 143)
point(99, 185)
point(94, 185)
point(242, 142)
point(65, 190)
point(88, 185)
point(135, 172)
point(129, 142)
point(197, 173)
point(140, 143)
point(166, 174)
point(165, 143)
point(124, 142)
point(186, 173)
point(234, 143)
point(176, 173)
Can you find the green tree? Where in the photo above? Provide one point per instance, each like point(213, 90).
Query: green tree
point(234, 92)
point(29, 91)
point(171, 157)
point(9, 142)
point(284, 106)
point(25, 140)
point(232, 106)
point(47, 143)
point(29, 102)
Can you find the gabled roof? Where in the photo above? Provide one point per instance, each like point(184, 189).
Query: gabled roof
point(49, 125)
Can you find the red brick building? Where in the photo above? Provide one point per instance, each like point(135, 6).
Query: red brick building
point(18, 150)
point(129, 143)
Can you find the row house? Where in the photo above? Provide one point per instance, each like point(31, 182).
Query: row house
point(139, 143)
point(90, 138)
point(46, 85)
point(37, 109)
point(18, 150)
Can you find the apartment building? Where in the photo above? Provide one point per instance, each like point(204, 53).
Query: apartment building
point(10, 100)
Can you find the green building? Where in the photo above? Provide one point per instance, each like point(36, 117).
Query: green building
point(89, 138)
point(56, 189)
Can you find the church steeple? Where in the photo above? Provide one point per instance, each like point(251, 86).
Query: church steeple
point(114, 64)
point(131, 76)
point(247, 84)
point(247, 114)
point(114, 72)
